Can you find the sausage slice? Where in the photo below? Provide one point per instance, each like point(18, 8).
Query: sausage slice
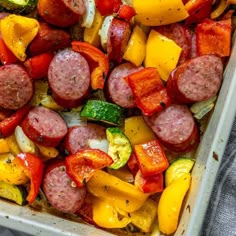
point(60, 192)
point(118, 89)
point(69, 78)
point(44, 126)
point(62, 13)
point(196, 80)
point(78, 136)
point(176, 128)
point(16, 87)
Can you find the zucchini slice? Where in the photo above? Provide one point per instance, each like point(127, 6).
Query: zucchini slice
point(13, 193)
point(177, 168)
point(119, 148)
point(19, 5)
point(102, 111)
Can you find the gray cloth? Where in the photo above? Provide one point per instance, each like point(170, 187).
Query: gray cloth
point(220, 219)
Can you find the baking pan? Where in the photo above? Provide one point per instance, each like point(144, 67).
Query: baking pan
point(208, 158)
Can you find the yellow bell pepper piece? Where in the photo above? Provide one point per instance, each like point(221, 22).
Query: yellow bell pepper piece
point(17, 32)
point(13, 145)
point(137, 131)
point(42, 98)
point(170, 204)
point(136, 48)
point(4, 147)
point(145, 216)
point(40, 90)
point(48, 101)
point(91, 34)
point(159, 12)
point(219, 9)
point(9, 172)
point(47, 152)
point(161, 53)
point(122, 195)
point(105, 215)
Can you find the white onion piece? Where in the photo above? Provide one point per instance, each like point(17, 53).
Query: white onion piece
point(73, 118)
point(101, 144)
point(104, 31)
point(89, 15)
point(24, 143)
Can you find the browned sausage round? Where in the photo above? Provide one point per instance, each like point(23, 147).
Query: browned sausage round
point(118, 37)
point(48, 39)
point(44, 126)
point(196, 80)
point(181, 35)
point(60, 192)
point(118, 89)
point(69, 78)
point(175, 127)
point(78, 136)
point(62, 13)
point(16, 87)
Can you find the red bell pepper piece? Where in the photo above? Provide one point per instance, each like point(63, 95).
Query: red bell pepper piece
point(198, 10)
point(149, 184)
point(126, 12)
point(214, 37)
point(33, 168)
point(86, 210)
point(98, 62)
point(107, 7)
point(133, 164)
point(4, 114)
point(37, 66)
point(151, 158)
point(81, 165)
point(8, 125)
point(6, 55)
point(149, 92)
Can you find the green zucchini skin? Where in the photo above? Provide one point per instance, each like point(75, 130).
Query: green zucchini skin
point(102, 111)
point(177, 168)
point(14, 6)
point(119, 148)
point(13, 193)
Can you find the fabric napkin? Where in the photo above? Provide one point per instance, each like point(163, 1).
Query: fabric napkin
point(220, 219)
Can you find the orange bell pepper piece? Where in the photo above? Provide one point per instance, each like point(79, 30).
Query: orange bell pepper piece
point(151, 158)
point(214, 37)
point(149, 91)
point(97, 60)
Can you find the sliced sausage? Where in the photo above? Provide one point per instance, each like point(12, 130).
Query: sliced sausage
point(78, 136)
point(59, 190)
point(196, 80)
point(44, 126)
point(48, 39)
point(181, 35)
point(118, 89)
point(62, 13)
point(69, 78)
point(16, 87)
point(175, 127)
point(118, 37)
